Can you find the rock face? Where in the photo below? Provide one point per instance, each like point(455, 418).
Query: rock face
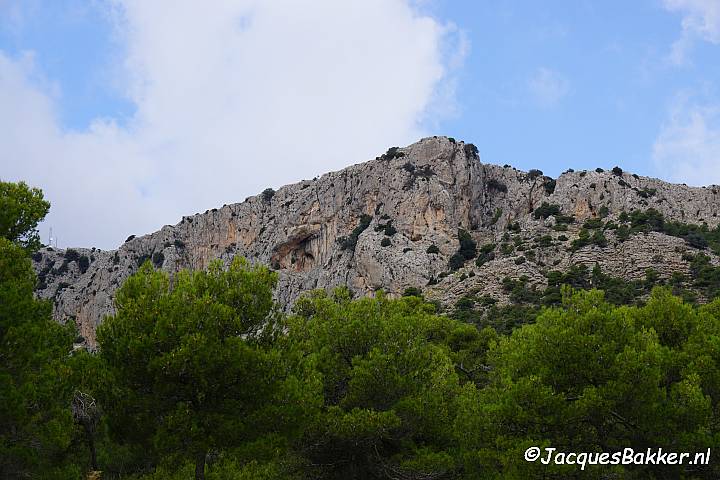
point(371, 226)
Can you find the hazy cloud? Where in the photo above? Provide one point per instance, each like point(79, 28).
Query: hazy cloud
point(229, 99)
point(548, 87)
point(700, 20)
point(688, 146)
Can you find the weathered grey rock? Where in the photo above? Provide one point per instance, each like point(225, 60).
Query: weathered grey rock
point(427, 190)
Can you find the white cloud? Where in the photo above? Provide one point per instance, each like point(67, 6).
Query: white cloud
point(700, 20)
point(230, 99)
point(688, 146)
point(548, 87)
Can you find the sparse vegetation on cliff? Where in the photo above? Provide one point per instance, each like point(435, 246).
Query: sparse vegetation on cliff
point(466, 251)
point(546, 210)
point(651, 220)
point(391, 154)
point(268, 194)
point(349, 242)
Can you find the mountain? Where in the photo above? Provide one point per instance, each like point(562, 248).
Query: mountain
point(430, 216)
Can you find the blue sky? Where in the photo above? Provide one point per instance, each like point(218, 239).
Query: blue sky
point(74, 45)
point(617, 83)
point(135, 108)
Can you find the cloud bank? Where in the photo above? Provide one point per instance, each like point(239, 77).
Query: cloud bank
point(700, 20)
point(229, 99)
point(688, 146)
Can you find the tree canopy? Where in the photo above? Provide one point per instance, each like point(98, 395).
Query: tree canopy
point(190, 364)
point(21, 209)
point(200, 374)
point(36, 427)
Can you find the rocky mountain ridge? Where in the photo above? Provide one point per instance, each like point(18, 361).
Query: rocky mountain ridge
point(401, 221)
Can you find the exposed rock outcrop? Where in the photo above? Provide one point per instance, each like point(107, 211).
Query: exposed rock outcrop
point(415, 198)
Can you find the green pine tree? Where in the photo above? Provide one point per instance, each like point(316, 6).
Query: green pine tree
point(36, 427)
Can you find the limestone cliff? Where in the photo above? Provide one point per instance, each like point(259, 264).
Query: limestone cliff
point(372, 226)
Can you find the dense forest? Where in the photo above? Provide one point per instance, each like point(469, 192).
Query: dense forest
point(200, 374)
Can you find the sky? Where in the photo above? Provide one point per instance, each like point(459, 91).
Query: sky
point(130, 114)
